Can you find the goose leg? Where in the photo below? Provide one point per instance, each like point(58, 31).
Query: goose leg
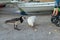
point(16, 28)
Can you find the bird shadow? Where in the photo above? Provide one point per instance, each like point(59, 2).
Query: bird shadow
point(36, 26)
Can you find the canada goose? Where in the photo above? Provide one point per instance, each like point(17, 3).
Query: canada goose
point(16, 21)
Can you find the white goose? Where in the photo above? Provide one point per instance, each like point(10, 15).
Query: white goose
point(31, 20)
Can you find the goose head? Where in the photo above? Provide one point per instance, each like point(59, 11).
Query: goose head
point(22, 18)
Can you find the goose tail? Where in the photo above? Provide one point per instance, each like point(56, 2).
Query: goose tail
point(7, 21)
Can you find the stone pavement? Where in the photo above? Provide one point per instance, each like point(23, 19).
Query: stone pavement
point(45, 29)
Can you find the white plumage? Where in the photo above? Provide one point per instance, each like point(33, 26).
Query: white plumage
point(31, 20)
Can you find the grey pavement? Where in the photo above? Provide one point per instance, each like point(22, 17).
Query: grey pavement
point(45, 29)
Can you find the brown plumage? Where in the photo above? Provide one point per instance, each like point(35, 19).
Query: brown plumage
point(15, 21)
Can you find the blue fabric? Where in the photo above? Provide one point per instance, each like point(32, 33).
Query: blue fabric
point(57, 3)
point(23, 13)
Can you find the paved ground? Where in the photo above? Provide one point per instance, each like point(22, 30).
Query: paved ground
point(45, 29)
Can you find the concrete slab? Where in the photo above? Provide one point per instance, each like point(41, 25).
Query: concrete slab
point(45, 29)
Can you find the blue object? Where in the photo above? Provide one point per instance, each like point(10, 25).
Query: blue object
point(57, 3)
point(23, 13)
